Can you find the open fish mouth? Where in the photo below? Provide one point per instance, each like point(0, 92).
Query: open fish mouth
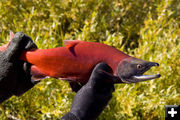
point(141, 78)
point(132, 70)
point(135, 79)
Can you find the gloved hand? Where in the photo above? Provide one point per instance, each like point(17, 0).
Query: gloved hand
point(15, 77)
point(93, 97)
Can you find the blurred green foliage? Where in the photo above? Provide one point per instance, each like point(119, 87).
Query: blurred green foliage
point(149, 30)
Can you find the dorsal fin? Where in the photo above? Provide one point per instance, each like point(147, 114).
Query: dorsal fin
point(71, 43)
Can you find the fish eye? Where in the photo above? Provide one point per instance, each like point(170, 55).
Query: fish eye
point(139, 66)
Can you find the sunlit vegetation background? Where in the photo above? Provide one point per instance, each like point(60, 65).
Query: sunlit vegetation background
point(146, 29)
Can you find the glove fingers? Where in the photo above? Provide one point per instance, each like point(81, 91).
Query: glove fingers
point(101, 75)
point(30, 45)
point(27, 71)
point(15, 47)
point(19, 43)
point(92, 98)
point(103, 66)
point(24, 82)
point(26, 67)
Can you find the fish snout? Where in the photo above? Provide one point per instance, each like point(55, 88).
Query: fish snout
point(131, 70)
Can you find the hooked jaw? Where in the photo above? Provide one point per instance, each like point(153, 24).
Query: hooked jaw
point(140, 78)
point(145, 77)
point(131, 70)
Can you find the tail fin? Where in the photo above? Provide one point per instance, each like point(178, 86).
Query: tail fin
point(4, 47)
point(11, 35)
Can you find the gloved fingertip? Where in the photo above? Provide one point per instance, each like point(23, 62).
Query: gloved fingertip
point(101, 75)
point(28, 43)
point(19, 34)
point(14, 49)
point(103, 66)
point(19, 43)
point(26, 67)
point(31, 46)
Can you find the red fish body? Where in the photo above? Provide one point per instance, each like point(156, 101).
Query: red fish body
point(73, 62)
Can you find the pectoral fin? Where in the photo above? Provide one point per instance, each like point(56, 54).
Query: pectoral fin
point(37, 75)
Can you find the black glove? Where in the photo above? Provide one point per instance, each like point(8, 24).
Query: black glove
point(93, 97)
point(15, 77)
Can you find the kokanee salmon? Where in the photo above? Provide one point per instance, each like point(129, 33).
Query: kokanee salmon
point(75, 61)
